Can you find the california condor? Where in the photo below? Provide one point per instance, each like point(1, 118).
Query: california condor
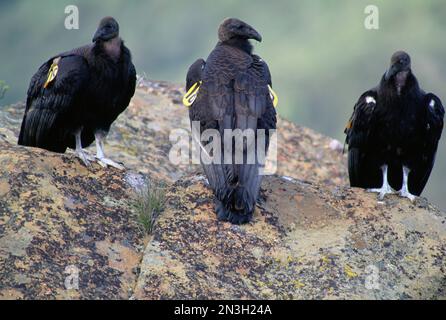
point(232, 90)
point(393, 134)
point(75, 96)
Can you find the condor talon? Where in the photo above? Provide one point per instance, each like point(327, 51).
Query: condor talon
point(386, 188)
point(100, 156)
point(404, 192)
point(81, 155)
point(80, 152)
point(104, 162)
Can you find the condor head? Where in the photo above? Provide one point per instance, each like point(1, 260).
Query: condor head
point(400, 69)
point(108, 29)
point(234, 28)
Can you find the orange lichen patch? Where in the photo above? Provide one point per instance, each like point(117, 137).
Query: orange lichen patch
point(11, 294)
point(4, 188)
point(358, 242)
point(119, 257)
point(71, 294)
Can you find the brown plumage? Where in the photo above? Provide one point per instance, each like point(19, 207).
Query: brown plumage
point(234, 95)
point(92, 86)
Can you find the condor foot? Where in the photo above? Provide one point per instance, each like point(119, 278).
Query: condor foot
point(385, 190)
point(406, 194)
point(104, 162)
point(84, 157)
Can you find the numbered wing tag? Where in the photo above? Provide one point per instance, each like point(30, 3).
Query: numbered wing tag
point(190, 97)
point(52, 73)
point(273, 96)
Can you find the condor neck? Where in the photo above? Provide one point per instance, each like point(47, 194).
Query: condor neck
point(390, 90)
point(242, 44)
point(111, 48)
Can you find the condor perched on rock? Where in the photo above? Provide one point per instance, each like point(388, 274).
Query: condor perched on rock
point(232, 90)
point(75, 96)
point(393, 134)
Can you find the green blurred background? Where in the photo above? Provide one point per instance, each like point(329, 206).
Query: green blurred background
point(320, 54)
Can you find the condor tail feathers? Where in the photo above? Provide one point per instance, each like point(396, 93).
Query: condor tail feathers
point(39, 130)
point(238, 207)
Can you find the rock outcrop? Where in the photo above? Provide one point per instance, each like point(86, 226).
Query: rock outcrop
point(59, 219)
point(307, 241)
point(67, 231)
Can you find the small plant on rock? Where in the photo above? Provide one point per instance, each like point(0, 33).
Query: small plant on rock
point(149, 203)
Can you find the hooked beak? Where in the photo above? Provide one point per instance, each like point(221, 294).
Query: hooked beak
point(253, 34)
point(97, 36)
point(391, 72)
point(101, 34)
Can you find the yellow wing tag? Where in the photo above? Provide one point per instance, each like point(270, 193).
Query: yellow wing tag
point(191, 95)
point(52, 73)
point(274, 96)
point(349, 125)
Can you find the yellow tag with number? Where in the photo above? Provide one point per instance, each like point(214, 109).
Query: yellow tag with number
point(52, 73)
point(274, 96)
point(190, 97)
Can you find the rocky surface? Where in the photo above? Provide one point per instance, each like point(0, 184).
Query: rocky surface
point(311, 238)
point(57, 216)
point(307, 241)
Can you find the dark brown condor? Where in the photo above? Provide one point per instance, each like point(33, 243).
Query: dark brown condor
point(75, 96)
point(393, 134)
point(232, 90)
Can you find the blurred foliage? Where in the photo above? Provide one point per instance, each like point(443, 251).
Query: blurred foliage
point(321, 56)
point(3, 88)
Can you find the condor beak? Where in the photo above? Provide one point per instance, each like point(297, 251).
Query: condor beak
point(253, 34)
point(104, 35)
point(98, 35)
point(391, 72)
